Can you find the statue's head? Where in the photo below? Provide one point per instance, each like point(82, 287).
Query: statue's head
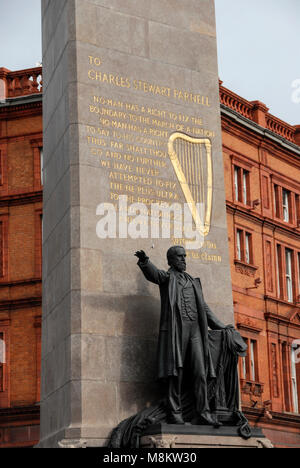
point(176, 258)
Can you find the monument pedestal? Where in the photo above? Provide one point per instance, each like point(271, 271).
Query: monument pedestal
point(189, 436)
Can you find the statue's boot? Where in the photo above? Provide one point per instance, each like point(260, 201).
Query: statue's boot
point(175, 418)
point(206, 418)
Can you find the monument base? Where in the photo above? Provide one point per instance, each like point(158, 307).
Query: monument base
point(189, 436)
point(77, 437)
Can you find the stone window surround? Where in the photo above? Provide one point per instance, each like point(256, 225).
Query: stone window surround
point(242, 260)
point(293, 191)
point(281, 272)
point(245, 167)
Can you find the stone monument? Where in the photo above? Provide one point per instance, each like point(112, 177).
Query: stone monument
point(131, 119)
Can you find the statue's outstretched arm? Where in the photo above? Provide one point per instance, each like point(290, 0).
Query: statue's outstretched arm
point(150, 271)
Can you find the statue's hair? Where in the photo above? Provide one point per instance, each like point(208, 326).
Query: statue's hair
point(172, 251)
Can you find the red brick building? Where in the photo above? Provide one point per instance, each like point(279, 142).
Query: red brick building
point(262, 173)
point(20, 255)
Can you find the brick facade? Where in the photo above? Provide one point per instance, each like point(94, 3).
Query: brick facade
point(262, 173)
point(20, 255)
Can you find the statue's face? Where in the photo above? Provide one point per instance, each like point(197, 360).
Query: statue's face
point(177, 260)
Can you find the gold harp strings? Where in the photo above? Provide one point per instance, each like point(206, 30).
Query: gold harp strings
point(193, 172)
point(209, 183)
point(198, 173)
point(191, 168)
point(202, 176)
point(184, 155)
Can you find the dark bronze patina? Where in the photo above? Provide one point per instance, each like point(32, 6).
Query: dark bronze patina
point(197, 359)
point(183, 338)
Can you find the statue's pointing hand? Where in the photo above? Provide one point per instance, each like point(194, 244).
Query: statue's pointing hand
point(141, 255)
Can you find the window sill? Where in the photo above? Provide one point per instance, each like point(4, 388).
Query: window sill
point(245, 268)
point(283, 301)
point(286, 223)
point(290, 413)
point(243, 205)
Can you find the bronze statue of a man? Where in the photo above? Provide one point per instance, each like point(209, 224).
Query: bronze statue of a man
point(183, 334)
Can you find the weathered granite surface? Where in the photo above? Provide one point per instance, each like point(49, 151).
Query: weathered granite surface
point(102, 59)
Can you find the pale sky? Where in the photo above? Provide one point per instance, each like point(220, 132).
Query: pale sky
point(258, 47)
point(259, 52)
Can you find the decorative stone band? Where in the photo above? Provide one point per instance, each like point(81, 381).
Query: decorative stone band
point(258, 112)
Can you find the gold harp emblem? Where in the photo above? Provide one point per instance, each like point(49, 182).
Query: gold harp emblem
point(192, 162)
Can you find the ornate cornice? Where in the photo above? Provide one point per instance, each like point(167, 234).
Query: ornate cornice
point(249, 325)
point(253, 134)
point(26, 282)
point(286, 419)
point(24, 303)
point(21, 199)
point(256, 114)
point(20, 414)
point(280, 319)
point(18, 107)
point(255, 217)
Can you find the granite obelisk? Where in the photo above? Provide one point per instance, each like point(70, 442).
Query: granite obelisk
point(130, 98)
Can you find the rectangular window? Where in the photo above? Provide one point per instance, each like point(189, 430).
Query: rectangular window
point(249, 369)
point(248, 248)
point(294, 380)
point(286, 205)
point(244, 368)
point(289, 274)
point(253, 360)
point(241, 185)
point(239, 238)
point(244, 246)
point(236, 182)
point(245, 186)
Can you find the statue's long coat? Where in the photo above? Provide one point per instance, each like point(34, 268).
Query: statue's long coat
point(170, 333)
